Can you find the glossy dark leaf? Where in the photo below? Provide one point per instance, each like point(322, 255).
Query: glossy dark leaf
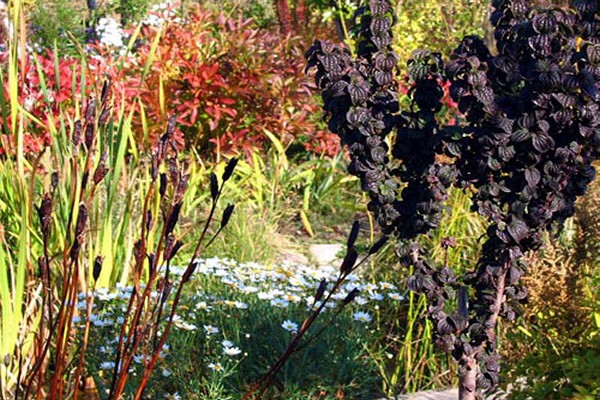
point(453, 149)
point(380, 24)
point(518, 229)
point(532, 176)
point(379, 7)
point(463, 302)
point(542, 142)
point(381, 40)
point(359, 92)
point(506, 153)
point(521, 135)
point(444, 327)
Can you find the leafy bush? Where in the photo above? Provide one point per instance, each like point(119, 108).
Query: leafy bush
point(554, 352)
point(526, 149)
point(50, 22)
point(262, 12)
point(50, 86)
point(227, 81)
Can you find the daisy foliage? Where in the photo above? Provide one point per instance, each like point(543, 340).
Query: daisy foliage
point(232, 320)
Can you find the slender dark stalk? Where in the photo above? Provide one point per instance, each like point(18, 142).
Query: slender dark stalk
point(347, 267)
point(150, 365)
point(86, 333)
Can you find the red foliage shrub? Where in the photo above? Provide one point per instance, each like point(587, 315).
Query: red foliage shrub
point(227, 82)
point(59, 76)
point(62, 79)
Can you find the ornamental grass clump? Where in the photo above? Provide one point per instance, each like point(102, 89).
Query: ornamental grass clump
point(56, 365)
point(524, 153)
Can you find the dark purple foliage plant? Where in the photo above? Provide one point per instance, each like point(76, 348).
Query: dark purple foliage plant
point(524, 153)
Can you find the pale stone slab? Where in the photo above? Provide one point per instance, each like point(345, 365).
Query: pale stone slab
point(325, 254)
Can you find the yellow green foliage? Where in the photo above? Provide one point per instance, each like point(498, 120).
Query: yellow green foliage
point(437, 24)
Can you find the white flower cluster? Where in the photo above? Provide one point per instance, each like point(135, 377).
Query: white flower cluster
point(109, 32)
point(160, 13)
point(285, 286)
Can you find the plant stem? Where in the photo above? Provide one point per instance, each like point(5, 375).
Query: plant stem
point(467, 387)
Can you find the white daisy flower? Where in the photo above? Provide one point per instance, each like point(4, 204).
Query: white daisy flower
point(362, 316)
point(231, 351)
point(181, 324)
point(395, 296)
point(203, 306)
point(376, 296)
point(281, 303)
point(105, 365)
point(290, 326)
point(210, 330)
point(360, 300)
point(216, 367)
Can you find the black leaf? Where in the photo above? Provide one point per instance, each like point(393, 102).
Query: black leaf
point(463, 302)
point(349, 261)
point(521, 135)
point(379, 7)
point(359, 92)
point(97, 268)
point(353, 234)
point(229, 169)
point(532, 176)
point(227, 215)
point(453, 149)
point(378, 245)
point(214, 186)
point(542, 142)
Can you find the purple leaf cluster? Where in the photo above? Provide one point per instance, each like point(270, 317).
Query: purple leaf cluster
point(525, 151)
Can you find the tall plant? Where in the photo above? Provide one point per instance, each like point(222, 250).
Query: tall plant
point(524, 154)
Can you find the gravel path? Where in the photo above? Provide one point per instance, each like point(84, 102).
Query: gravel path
point(450, 394)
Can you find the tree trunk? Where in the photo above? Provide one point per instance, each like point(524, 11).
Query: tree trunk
point(301, 14)
point(467, 385)
point(284, 17)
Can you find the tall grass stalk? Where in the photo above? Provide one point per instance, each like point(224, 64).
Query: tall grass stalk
point(15, 298)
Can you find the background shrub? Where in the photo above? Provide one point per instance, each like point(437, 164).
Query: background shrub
point(228, 82)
